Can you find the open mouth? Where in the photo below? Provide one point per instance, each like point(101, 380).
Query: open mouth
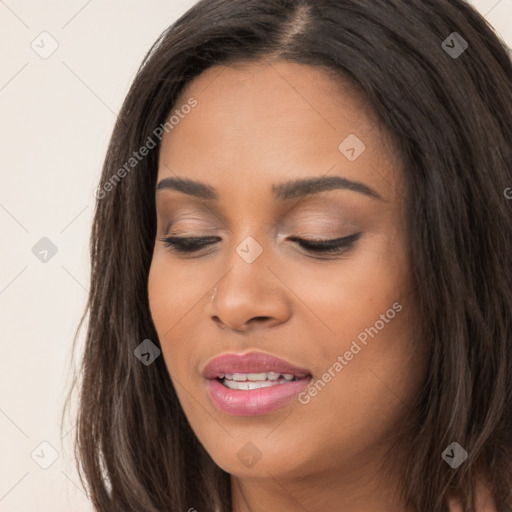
point(248, 381)
point(253, 383)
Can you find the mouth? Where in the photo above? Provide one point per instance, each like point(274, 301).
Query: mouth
point(253, 384)
point(248, 381)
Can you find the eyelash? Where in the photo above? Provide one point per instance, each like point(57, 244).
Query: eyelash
point(187, 245)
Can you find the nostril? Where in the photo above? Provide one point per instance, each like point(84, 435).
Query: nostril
point(257, 320)
point(260, 318)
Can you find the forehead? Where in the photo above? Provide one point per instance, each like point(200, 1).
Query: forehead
point(263, 122)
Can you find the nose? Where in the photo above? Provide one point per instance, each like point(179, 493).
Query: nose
point(249, 296)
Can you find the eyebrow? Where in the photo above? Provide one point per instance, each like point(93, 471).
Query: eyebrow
point(281, 191)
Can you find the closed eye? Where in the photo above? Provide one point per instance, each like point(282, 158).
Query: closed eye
point(334, 245)
point(188, 245)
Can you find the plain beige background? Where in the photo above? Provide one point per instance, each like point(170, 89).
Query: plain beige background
point(57, 112)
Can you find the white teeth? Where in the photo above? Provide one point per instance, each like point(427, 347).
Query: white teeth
point(257, 376)
point(247, 381)
point(248, 385)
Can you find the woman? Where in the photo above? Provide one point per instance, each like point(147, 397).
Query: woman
point(301, 253)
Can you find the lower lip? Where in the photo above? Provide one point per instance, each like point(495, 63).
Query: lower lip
point(254, 402)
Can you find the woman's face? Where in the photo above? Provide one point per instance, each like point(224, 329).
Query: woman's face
point(340, 322)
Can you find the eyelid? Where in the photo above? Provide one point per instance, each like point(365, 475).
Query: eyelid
point(197, 245)
point(187, 230)
point(195, 216)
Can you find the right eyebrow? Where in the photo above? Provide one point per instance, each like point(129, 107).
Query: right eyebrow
point(303, 187)
point(190, 187)
point(282, 191)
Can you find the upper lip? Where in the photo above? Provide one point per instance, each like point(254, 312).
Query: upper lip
point(252, 362)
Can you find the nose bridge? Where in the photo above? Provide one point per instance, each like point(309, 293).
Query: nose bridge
point(250, 250)
point(249, 289)
point(247, 261)
point(250, 228)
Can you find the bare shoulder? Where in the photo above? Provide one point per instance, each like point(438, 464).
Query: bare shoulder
point(484, 500)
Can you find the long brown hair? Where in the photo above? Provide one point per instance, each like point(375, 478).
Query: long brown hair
point(450, 117)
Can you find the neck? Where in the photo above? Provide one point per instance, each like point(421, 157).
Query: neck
point(331, 491)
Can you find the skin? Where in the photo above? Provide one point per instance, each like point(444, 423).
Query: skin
point(256, 125)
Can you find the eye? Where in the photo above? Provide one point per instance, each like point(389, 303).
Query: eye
point(195, 244)
point(333, 246)
point(189, 244)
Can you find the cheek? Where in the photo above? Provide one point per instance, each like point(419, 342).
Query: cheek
point(174, 290)
point(163, 299)
point(171, 295)
point(349, 295)
point(363, 313)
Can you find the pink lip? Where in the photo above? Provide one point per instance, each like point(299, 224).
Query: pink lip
point(252, 402)
point(253, 362)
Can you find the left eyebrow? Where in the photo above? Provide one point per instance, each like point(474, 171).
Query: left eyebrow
point(190, 187)
point(303, 187)
point(282, 191)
